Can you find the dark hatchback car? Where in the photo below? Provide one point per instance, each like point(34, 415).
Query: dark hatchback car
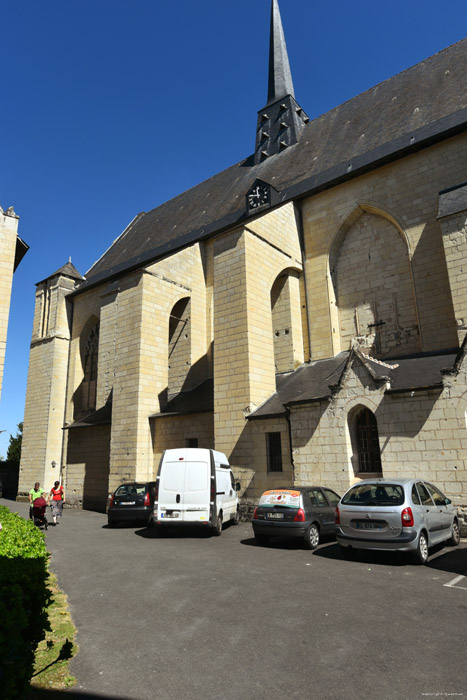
point(132, 502)
point(304, 512)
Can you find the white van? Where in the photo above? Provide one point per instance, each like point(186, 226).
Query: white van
point(195, 486)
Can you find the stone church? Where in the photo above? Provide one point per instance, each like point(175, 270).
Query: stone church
point(303, 311)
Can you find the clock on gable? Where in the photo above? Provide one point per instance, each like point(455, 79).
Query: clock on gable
point(258, 195)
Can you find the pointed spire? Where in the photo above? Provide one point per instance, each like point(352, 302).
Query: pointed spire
point(280, 77)
point(281, 123)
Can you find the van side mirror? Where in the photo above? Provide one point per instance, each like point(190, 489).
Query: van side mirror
point(237, 486)
point(447, 501)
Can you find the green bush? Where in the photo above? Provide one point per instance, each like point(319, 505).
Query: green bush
point(24, 598)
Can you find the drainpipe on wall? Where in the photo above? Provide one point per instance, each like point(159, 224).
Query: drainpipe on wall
point(301, 238)
point(287, 416)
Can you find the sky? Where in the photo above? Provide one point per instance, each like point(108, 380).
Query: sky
point(111, 107)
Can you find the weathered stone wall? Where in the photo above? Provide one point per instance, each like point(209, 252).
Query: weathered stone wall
point(454, 229)
point(246, 265)
point(41, 454)
point(8, 234)
point(374, 289)
point(171, 432)
point(421, 434)
point(406, 194)
point(86, 475)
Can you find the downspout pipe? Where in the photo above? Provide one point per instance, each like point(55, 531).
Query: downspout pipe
point(301, 238)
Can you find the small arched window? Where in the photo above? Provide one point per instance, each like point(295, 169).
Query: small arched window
point(286, 309)
point(367, 439)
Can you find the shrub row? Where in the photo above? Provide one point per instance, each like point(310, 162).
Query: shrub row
point(24, 598)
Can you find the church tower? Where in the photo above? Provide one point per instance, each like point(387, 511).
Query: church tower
point(47, 377)
point(281, 121)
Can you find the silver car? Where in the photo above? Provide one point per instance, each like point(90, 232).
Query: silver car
point(405, 515)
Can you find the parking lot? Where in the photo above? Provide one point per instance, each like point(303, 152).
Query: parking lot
point(192, 616)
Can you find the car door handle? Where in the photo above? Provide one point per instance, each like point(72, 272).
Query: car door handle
point(178, 498)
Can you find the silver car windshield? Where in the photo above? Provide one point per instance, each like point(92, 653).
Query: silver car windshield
point(374, 495)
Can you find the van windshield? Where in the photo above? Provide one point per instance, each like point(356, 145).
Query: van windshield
point(289, 499)
point(374, 495)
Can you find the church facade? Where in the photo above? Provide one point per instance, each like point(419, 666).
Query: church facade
point(303, 311)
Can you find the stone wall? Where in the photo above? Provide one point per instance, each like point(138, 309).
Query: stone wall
point(86, 476)
point(8, 235)
point(404, 193)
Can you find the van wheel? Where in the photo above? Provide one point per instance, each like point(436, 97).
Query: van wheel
point(311, 539)
point(236, 518)
point(455, 534)
point(217, 529)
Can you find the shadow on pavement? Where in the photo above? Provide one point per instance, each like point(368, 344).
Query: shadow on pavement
point(174, 533)
point(40, 694)
point(451, 560)
point(286, 544)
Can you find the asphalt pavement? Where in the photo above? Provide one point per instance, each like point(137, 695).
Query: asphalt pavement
point(219, 618)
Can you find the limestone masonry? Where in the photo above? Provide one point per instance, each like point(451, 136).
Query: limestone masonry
point(304, 311)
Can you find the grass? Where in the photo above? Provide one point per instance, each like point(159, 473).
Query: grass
point(51, 669)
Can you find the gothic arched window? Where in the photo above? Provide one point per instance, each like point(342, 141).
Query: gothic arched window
point(369, 454)
point(90, 369)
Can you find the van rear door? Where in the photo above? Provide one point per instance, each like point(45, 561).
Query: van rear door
point(196, 500)
point(184, 491)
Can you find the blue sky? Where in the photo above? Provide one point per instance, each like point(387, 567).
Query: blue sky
point(111, 107)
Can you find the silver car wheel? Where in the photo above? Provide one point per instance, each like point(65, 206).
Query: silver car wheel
point(312, 537)
point(455, 534)
point(422, 549)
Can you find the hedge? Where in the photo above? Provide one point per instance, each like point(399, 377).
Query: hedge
point(24, 598)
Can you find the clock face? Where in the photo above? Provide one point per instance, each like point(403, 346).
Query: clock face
point(258, 196)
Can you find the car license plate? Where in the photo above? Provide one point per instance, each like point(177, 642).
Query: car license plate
point(369, 526)
point(275, 516)
point(128, 503)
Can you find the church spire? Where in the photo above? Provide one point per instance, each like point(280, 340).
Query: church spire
point(281, 122)
point(280, 77)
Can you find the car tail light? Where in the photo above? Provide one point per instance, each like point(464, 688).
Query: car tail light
point(111, 501)
point(156, 491)
point(213, 491)
point(338, 516)
point(299, 516)
point(255, 514)
point(147, 500)
point(407, 517)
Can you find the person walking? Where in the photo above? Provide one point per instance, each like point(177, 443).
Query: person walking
point(57, 494)
point(34, 493)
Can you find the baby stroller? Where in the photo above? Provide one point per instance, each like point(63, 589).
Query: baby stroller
point(38, 513)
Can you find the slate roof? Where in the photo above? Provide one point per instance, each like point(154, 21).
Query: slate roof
point(103, 416)
point(416, 108)
point(199, 400)
point(67, 270)
point(317, 381)
point(453, 200)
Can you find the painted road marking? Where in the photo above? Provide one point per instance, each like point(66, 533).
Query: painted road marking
point(454, 582)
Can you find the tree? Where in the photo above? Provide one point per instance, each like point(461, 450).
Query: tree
point(13, 454)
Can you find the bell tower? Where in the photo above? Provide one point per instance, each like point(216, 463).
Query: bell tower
point(282, 120)
point(41, 452)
